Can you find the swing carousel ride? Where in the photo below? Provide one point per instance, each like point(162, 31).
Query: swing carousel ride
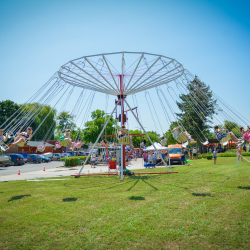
point(123, 75)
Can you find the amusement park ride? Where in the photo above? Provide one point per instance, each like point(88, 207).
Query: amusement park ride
point(124, 84)
point(123, 74)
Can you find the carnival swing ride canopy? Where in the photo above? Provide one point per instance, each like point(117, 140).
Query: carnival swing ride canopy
point(122, 74)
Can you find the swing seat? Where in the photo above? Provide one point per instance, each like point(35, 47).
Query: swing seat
point(205, 143)
point(163, 142)
point(40, 149)
point(58, 145)
point(3, 148)
point(78, 144)
point(112, 165)
point(225, 143)
point(21, 144)
point(193, 142)
point(125, 140)
point(182, 137)
point(225, 139)
point(64, 142)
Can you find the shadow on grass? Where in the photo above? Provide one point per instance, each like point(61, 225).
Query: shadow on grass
point(133, 184)
point(202, 194)
point(69, 199)
point(150, 185)
point(18, 197)
point(246, 188)
point(143, 178)
point(137, 198)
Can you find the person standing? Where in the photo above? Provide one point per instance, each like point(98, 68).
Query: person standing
point(129, 156)
point(186, 153)
point(239, 151)
point(182, 156)
point(154, 158)
point(215, 156)
point(191, 153)
point(145, 156)
point(92, 160)
point(163, 155)
point(195, 153)
point(149, 158)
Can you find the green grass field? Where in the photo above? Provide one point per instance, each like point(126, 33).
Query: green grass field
point(202, 207)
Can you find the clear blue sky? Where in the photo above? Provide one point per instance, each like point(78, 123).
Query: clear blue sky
point(210, 38)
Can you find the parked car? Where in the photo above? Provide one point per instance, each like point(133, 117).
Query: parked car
point(5, 161)
point(44, 159)
point(34, 158)
point(48, 155)
point(65, 155)
point(71, 153)
point(56, 157)
point(16, 159)
point(25, 157)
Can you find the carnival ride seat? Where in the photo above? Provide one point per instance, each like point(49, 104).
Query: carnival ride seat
point(224, 140)
point(163, 142)
point(21, 144)
point(182, 137)
point(64, 141)
point(112, 165)
point(125, 140)
point(148, 165)
point(58, 145)
point(77, 144)
point(40, 148)
point(3, 146)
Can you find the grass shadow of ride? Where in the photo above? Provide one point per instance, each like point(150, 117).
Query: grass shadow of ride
point(143, 178)
point(69, 199)
point(18, 197)
point(246, 188)
point(202, 194)
point(137, 198)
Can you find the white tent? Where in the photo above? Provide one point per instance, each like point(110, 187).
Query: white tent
point(157, 145)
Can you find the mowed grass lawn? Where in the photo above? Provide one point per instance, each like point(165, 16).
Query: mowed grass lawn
point(202, 207)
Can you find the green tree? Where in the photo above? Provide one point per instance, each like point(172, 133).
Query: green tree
point(232, 126)
point(64, 121)
point(44, 118)
point(153, 136)
point(7, 109)
point(77, 134)
point(93, 128)
point(197, 109)
point(136, 140)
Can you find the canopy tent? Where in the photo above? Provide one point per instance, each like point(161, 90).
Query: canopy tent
point(157, 145)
